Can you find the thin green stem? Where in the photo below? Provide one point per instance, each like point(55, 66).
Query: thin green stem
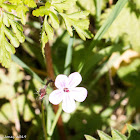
point(98, 4)
point(68, 58)
point(55, 120)
point(43, 122)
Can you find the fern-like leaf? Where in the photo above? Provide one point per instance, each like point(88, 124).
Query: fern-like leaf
point(77, 20)
point(116, 135)
point(81, 25)
point(9, 39)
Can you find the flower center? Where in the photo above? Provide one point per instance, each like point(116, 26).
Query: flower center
point(66, 90)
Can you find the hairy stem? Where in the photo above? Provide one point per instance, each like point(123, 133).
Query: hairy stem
point(50, 72)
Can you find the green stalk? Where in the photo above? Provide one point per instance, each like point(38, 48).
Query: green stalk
point(55, 120)
point(43, 121)
point(68, 58)
point(98, 4)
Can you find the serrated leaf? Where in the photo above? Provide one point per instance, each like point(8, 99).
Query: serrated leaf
point(14, 41)
point(54, 20)
point(83, 33)
point(42, 10)
point(6, 49)
point(47, 33)
point(21, 12)
point(15, 1)
point(30, 3)
point(104, 136)
point(6, 20)
point(9, 48)
point(133, 135)
point(48, 29)
point(88, 137)
point(78, 15)
point(68, 25)
point(8, 7)
point(61, 5)
point(44, 40)
point(117, 135)
point(17, 29)
point(80, 25)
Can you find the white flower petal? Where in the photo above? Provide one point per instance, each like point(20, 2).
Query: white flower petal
point(61, 81)
point(68, 104)
point(74, 79)
point(79, 94)
point(56, 97)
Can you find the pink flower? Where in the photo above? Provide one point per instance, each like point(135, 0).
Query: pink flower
point(67, 91)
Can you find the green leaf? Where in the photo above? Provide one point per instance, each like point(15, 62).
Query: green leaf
point(78, 15)
point(48, 29)
point(43, 10)
point(88, 137)
point(15, 1)
point(81, 25)
point(61, 5)
point(44, 40)
point(47, 34)
point(30, 3)
point(17, 29)
point(6, 116)
point(104, 136)
point(21, 12)
point(117, 135)
point(6, 20)
point(76, 20)
point(124, 28)
point(27, 110)
point(8, 7)
point(130, 73)
point(14, 41)
point(54, 20)
point(5, 49)
point(7, 91)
